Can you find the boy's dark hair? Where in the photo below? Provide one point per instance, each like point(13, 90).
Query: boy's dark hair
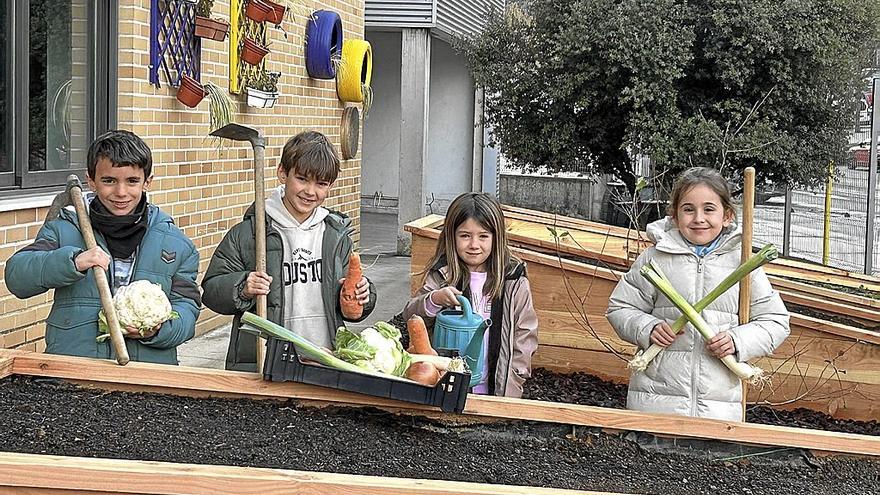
point(123, 149)
point(311, 154)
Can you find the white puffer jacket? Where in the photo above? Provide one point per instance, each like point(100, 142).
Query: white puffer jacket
point(685, 378)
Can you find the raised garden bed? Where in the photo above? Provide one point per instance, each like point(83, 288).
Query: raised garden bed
point(584, 389)
point(544, 441)
point(49, 417)
point(823, 366)
point(588, 390)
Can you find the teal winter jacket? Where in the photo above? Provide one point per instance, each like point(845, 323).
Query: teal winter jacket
point(165, 256)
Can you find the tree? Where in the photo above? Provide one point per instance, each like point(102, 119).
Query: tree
point(720, 83)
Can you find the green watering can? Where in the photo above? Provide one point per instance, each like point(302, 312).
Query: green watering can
point(462, 330)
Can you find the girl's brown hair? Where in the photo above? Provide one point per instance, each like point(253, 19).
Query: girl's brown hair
point(486, 211)
point(708, 177)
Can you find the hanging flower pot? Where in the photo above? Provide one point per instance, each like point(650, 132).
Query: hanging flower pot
point(252, 52)
point(190, 92)
point(259, 11)
point(210, 29)
point(261, 99)
point(277, 14)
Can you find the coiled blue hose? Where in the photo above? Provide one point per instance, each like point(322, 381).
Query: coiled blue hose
point(323, 44)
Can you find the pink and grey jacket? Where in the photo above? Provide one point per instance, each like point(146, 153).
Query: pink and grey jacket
point(513, 336)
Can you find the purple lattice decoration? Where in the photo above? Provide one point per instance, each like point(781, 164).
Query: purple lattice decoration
point(173, 46)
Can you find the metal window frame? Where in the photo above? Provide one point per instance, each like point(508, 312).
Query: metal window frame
point(102, 97)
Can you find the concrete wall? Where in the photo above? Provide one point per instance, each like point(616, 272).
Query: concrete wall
point(580, 197)
point(381, 146)
point(451, 127)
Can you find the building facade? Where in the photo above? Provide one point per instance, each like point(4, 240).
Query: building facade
point(75, 68)
point(425, 144)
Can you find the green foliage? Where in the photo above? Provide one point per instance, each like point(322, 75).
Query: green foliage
point(575, 84)
point(204, 8)
point(264, 80)
point(221, 108)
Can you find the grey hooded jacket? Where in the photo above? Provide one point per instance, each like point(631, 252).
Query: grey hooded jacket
point(685, 378)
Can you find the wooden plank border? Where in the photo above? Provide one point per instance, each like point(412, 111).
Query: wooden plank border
point(44, 474)
point(6, 364)
point(169, 379)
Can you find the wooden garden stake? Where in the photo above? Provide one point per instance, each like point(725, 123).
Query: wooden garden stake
point(748, 214)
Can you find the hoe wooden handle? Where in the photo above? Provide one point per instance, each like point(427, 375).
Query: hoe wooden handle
point(100, 275)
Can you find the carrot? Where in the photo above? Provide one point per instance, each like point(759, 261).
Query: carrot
point(348, 302)
point(418, 336)
point(424, 373)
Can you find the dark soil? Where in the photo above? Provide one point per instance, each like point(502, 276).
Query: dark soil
point(833, 317)
point(582, 388)
point(50, 417)
point(856, 291)
point(585, 389)
point(588, 390)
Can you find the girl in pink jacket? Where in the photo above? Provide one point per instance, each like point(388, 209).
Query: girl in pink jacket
point(473, 259)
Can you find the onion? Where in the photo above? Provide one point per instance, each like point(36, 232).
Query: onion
point(424, 373)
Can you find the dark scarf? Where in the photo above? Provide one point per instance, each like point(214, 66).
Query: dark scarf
point(123, 233)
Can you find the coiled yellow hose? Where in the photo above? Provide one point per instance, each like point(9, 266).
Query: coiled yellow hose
point(355, 71)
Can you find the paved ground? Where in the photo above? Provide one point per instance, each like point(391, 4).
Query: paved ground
point(390, 273)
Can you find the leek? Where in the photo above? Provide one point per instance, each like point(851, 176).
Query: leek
point(767, 254)
point(744, 371)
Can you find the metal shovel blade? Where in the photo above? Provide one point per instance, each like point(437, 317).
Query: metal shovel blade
point(238, 132)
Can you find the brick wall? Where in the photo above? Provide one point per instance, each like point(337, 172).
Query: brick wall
point(205, 189)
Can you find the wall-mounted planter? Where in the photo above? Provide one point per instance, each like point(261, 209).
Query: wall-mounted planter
point(253, 53)
point(207, 28)
point(259, 11)
point(190, 92)
point(355, 71)
point(277, 14)
point(323, 44)
point(261, 99)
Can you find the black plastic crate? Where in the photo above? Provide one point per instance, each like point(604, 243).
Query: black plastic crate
point(282, 364)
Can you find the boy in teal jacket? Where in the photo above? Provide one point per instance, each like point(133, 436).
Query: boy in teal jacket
point(143, 244)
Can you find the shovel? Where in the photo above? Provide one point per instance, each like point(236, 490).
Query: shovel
point(238, 132)
point(73, 195)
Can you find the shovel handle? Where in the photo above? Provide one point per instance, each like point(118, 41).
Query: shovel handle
point(100, 275)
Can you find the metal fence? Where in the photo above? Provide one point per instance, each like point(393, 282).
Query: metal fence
point(847, 237)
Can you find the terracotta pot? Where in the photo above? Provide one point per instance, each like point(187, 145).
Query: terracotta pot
point(190, 92)
point(253, 53)
point(259, 11)
point(208, 28)
point(277, 14)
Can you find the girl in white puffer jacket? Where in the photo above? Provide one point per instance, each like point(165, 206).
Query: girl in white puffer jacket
point(696, 246)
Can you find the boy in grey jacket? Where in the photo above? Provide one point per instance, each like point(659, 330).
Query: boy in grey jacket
point(307, 253)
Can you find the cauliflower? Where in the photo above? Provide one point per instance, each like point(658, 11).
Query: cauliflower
point(375, 349)
point(141, 304)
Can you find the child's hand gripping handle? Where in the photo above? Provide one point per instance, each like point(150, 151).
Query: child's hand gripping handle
point(74, 190)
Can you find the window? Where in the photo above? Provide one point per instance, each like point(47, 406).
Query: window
point(55, 88)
